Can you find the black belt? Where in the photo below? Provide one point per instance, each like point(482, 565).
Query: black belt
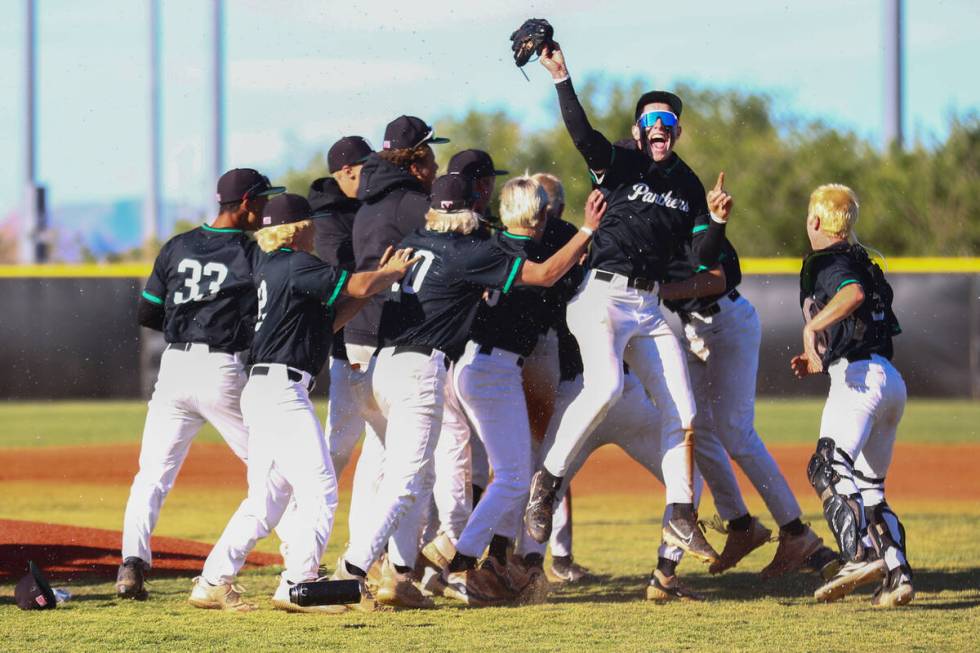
point(186, 346)
point(417, 349)
point(293, 375)
point(711, 309)
point(486, 350)
point(633, 282)
point(853, 358)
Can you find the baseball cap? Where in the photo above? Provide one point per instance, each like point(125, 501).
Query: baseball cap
point(475, 164)
point(245, 183)
point(452, 193)
point(286, 208)
point(348, 151)
point(665, 97)
point(407, 132)
point(33, 592)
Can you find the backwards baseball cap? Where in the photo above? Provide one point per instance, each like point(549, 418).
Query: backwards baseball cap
point(475, 164)
point(666, 97)
point(286, 208)
point(452, 193)
point(407, 132)
point(348, 151)
point(33, 592)
point(245, 183)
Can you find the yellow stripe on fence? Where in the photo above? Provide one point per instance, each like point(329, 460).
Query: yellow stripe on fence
point(906, 265)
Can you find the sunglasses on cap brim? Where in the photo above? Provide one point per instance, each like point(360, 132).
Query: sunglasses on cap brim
point(262, 188)
point(648, 120)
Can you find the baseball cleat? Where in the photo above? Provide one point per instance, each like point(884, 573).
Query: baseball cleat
point(478, 588)
point(439, 552)
point(851, 576)
point(280, 601)
point(683, 532)
point(895, 590)
point(663, 589)
point(824, 562)
point(739, 544)
point(566, 570)
point(540, 505)
point(226, 596)
point(130, 579)
point(368, 603)
point(397, 590)
point(792, 552)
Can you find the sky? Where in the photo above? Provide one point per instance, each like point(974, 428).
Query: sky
point(302, 73)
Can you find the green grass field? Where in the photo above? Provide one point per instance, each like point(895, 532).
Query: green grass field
point(616, 535)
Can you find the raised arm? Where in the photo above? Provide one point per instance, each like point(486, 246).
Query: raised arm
point(549, 272)
point(595, 148)
point(709, 238)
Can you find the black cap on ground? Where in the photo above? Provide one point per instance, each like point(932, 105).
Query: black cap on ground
point(286, 208)
point(666, 97)
point(245, 183)
point(475, 164)
point(452, 193)
point(33, 592)
point(348, 151)
point(407, 132)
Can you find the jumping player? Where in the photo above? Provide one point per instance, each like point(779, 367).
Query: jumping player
point(200, 294)
point(427, 320)
point(653, 201)
point(847, 305)
point(298, 311)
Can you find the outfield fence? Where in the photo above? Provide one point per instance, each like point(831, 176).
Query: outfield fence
point(70, 332)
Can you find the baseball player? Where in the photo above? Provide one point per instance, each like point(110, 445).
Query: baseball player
point(200, 295)
point(653, 200)
point(426, 319)
point(297, 308)
point(847, 305)
point(723, 336)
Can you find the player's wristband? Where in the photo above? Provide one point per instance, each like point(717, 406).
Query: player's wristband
point(715, 218)
point(585, 230)
point(563, 79)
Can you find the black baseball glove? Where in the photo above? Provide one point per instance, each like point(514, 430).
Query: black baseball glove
point(530, 38)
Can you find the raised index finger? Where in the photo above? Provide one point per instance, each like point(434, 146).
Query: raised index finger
point(720, 184)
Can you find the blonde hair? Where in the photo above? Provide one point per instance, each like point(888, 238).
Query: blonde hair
point(837, 207)
point(523, 202)
point(553, 187)
point(461, 222)
point(272, 238)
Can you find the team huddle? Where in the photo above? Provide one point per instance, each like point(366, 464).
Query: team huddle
point(484, 358)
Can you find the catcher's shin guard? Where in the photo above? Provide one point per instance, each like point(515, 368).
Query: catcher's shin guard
point(843, 512)
point(886, 531)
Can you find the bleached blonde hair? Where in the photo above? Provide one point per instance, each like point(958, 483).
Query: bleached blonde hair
point(553, 187)
point(523, 203)
point(461, 222)
point(837, 207)
point(272, 238)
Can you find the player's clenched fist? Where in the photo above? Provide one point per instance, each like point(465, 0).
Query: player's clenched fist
point(553, 59)
point(595, 208)
point(719, 200)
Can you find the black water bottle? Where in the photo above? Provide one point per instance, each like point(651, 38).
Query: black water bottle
point(325, 592)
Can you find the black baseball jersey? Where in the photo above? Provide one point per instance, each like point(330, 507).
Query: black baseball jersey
point(203, 281)
point(514, 321)
point(650, 216)
point(870, 328)
point(688, 263)
point(434, 305)
point(296, 295)
point(556, 235)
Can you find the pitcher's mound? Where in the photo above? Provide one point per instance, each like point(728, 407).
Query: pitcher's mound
point(74, 552)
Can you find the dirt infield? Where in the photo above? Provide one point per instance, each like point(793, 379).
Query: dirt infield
point(73, 553)
point(918, 471)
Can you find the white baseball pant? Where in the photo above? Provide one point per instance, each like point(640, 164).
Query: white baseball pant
point(409, 390)
point(631, 424)
point(613, 323)
point(865, 404)
point(490, 389)
point(288, 458)
point(724, 385)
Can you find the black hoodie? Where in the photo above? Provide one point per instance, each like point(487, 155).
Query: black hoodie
point(393, 205)
point(334, 234)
